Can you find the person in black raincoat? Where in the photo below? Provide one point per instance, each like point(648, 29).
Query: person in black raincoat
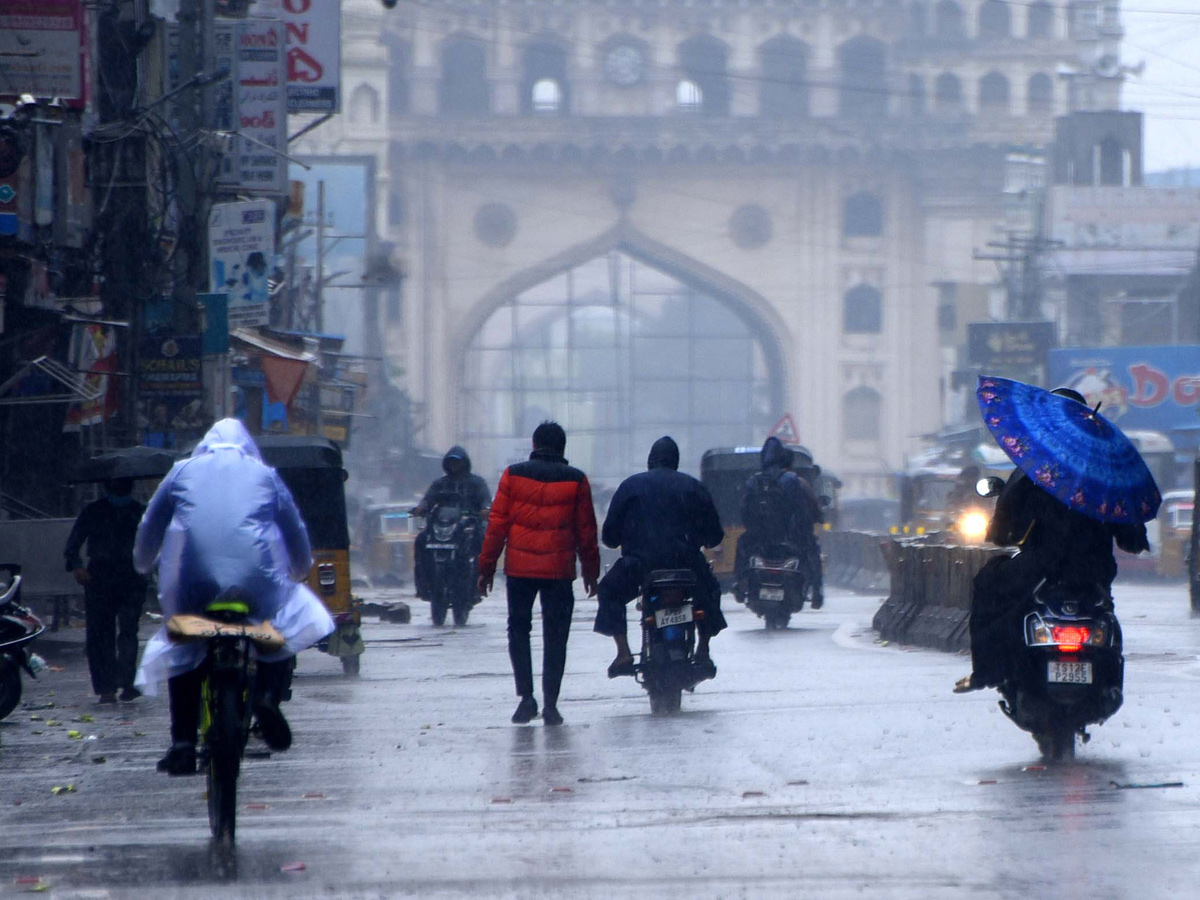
point(458, 487)
point(1056, 543)
point(660, 519)
point(113, 590)
point(778, 506)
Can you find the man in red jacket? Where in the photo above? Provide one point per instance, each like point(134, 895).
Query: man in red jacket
point(543, 512)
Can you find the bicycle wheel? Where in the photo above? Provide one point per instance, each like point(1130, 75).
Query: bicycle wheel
point(224, 741)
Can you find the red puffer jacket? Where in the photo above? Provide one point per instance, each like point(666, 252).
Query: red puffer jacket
point(543, 512)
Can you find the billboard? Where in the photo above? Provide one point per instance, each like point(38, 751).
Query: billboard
point(1009, 345)
point(241, 248)
point(313, 55)
point(1154, 387)
point(261, 104)
point(41, 48)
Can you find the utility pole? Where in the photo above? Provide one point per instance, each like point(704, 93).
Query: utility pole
point(319, 287)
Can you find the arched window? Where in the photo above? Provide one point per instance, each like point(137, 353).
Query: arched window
point(948, 21)
point(1041, 93)
point(993, 92)
point(544, 79)
point(399, 63)
point(1111, 159)
point(783, 91)
point(862, 79)
point(688, 96)
point(994, 20)
point(862, 216)
point(702, 60)
point(916, 95)
point(861, 409)
point(364, 105)
point(1041, 20)
point(862, 311)
point(463, 89)
point(947, 93)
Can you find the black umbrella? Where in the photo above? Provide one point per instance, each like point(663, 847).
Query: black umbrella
point(132, 462)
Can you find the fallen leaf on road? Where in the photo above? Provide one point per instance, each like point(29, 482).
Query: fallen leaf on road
point(85, 718)
point(139, 734)
point(75, 735)
point(62, 789)
point(502, 799)
point(560, 790)
point(53, 722)
point(99, 759)
point(57, 668)
point(35, 718)
point(293, 867)
point(37, 732)
point(316, 795)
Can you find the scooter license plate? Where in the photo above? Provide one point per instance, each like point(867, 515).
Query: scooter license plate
point(771, 593)
point(440, 547)
point(1059, 671)
point(679, 615)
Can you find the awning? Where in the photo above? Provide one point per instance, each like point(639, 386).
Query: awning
point(275, 348)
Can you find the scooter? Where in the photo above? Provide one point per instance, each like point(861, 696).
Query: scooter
point(18, 629)
point(668, 663)
point(451, 549)
point(776, 586)
point(1071, 673)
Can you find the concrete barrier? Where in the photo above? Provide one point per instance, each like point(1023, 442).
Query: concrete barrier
point(930, 598)
point(854, 559)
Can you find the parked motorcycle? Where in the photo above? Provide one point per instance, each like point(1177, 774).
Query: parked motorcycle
point(1071, 673)
point(668, 666)
point(18, 629)
point(451, 548)
point(776, 584)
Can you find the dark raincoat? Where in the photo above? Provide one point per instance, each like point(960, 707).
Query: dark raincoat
point(660, 519)
point(463, 489)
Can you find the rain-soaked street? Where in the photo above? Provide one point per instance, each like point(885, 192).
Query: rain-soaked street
point(818, 764)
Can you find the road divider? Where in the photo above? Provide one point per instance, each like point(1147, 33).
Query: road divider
point(854, 559)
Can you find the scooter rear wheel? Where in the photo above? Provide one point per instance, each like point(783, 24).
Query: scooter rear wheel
point(665, 702)
point(1056, 746)
point(10, 686)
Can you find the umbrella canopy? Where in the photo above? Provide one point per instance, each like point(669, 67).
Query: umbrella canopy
point(1069, 450)
point(132, 462)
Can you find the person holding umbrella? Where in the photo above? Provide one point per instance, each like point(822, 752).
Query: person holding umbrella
point(1079, 486)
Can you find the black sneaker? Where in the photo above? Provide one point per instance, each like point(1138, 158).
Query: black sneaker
point(817, 602)
point(180, 760)
point(129, 694)
point(273, 727)
point(620, 667)
point(527, 709)
point(705, 667)
point(551, 716)
point(108, 697)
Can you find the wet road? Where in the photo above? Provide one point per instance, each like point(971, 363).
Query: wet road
point(818, 764)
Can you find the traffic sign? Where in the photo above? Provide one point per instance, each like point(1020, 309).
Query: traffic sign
point(785, 430)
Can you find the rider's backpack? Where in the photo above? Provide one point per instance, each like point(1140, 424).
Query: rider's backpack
point(767, 507)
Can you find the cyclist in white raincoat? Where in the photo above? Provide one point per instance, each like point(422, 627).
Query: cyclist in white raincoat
point(223, 519)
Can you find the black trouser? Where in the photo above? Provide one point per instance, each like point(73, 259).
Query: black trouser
point(623, 582)
point(112, 608)
point(558, 602)
point(999, 602)
point(810, 556)
point(184, 693)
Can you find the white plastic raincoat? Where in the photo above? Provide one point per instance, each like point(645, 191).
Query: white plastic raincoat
point(223, 519)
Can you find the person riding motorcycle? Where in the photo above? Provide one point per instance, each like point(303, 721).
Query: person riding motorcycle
point(778, 506)
point(458, 487)
point(1057, 544)
point(223, 520)
point(660, 519)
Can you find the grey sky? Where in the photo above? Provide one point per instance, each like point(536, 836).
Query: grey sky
point(1165, 34)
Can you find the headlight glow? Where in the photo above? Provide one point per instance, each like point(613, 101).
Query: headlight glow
point(973, 525)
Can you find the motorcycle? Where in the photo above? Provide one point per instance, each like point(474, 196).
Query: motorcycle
point(228, 696)
point(776, 583)
point(1071, 673)
point(668, 666)
point(451, 549)
point(18, 629)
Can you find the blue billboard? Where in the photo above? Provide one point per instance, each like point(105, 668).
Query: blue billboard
point(1155, 387)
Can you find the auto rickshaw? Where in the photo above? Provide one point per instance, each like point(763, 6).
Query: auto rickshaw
point(311, 467)
point(388, 535)
point(725, 470)
point(937, 495)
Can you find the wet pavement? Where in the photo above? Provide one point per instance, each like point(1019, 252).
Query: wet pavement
point(818, 764)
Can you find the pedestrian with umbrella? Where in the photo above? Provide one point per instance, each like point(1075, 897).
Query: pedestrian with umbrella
point(1080, 485)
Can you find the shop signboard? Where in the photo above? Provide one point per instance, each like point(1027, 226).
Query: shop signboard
point(42, 49)
point(313, 55)
point(241, 247)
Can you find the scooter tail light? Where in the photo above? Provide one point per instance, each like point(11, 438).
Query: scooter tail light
point(1070, 636)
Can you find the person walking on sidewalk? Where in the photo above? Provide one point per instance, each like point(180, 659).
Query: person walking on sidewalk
point(113, 591)
point(543, 514)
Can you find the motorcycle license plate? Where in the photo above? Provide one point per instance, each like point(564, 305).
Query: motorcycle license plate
point(1060, 671)
point(440, 547)
point(771, 593)
point(679, 615)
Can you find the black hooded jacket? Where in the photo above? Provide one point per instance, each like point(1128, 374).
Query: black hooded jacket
point(797, 510)
point(662, 516)
point(462, 489)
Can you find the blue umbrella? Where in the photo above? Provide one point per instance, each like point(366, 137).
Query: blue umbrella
point(1069, 450)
